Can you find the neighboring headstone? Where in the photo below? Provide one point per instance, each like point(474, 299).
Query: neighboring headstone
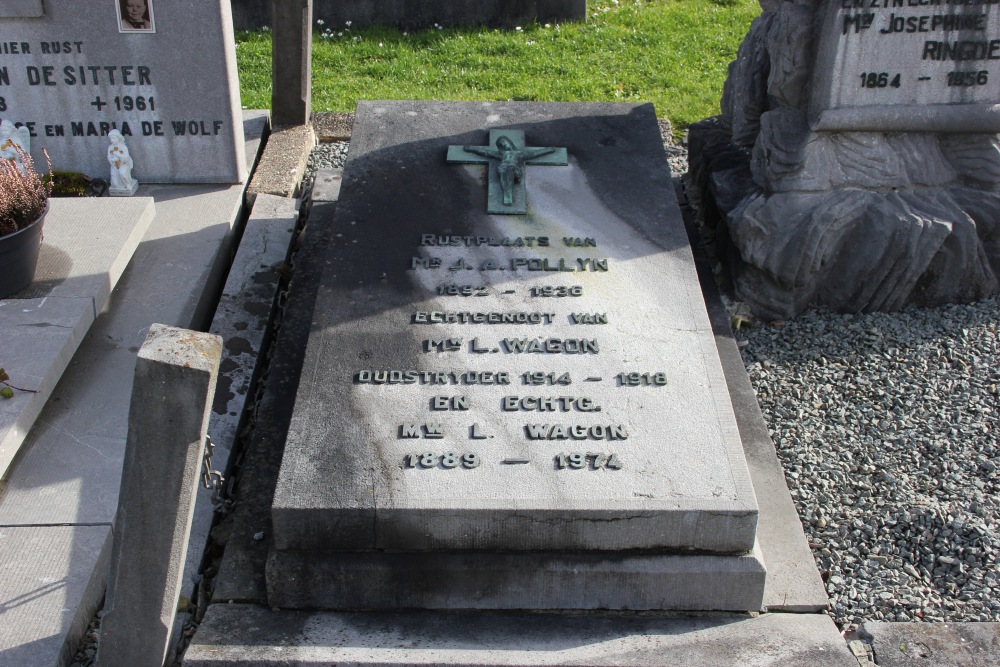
point(79, 70)
point(512, 411)
point(255, 14)
point(861, 174)
point(21, 9)
point(172, 392)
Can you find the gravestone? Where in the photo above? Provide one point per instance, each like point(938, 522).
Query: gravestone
point(73, 70)
point(856, 163)
point(511, 410)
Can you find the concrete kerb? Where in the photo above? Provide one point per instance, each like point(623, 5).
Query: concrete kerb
point(283, 162)
point(172, 389)
point(243, 320)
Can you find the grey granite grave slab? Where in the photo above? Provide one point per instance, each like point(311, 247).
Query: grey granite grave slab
point(53, 579)
point(894, 67)
point(683, 484)
point(170, 87)
point(69, 470)
point(252, 635)
point(88, 243)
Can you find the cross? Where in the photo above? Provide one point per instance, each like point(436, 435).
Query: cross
point(506, 157)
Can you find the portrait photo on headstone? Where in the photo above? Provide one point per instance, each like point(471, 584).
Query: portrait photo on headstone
point(135, 16)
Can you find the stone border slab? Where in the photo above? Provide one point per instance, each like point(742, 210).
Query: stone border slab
point(243, 320)
point(333, 126)
point(793, 579)
point(88, 243)
point(252, 635)
point(241, 573)
point(938, 644)
point(326, 186)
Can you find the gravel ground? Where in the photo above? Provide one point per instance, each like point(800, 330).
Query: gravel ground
point(887, 427)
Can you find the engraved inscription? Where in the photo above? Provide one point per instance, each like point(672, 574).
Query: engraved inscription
point(588, 460)
point(559, 291)
point(877, 54)
point(432, 377)
point(432, 431)
point(470, 317)
point(450, 403)
point(588, 318)
point(576, 432)
point(548, 404)
point(550, 346)
point(642, 379)
point(446, 461)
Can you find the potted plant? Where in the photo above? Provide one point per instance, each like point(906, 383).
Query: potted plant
point(24, 201)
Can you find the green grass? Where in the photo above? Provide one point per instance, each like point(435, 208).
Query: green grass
point(673, 53)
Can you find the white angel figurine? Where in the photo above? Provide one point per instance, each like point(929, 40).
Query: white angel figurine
point(12, 138)
point(122, 183)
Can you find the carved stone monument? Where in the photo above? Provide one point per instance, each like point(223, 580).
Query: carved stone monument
point(511, 411)
point(856, 163)
point(72, 71)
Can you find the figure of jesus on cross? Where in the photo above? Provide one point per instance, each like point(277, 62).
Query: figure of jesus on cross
point(507, 167)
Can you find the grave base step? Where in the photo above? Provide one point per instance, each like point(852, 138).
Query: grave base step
point(235, 634)
point(510, 580)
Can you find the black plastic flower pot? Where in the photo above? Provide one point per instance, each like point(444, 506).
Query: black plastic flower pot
point(19, 257)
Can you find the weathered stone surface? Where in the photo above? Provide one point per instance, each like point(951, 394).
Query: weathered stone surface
point(175, 86)
point(793, 247)
point(243, 321)
point(878, 193)
point(283, 163)
point(938, 644)
point(326, 187)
